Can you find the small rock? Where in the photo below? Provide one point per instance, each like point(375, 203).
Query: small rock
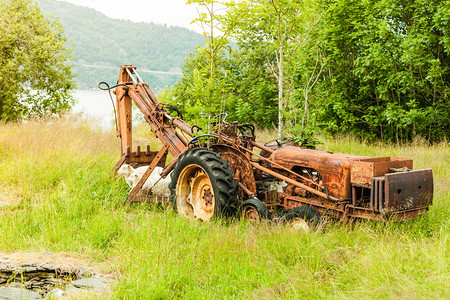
point(83, 272)
point(10, 293)
point(48, 267)
point(55, 293)
point(15, 284)
point(92, 283)
point(26, 269)
point(28, 264)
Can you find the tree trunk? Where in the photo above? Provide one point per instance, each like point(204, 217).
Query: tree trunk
point(305, 113)
point(280, 84)
point(212, 73)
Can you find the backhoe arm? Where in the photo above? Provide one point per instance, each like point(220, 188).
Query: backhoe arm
point(131, 88)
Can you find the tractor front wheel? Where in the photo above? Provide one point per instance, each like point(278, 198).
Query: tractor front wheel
point(202, 185)
point(254, 211)
point(302, 218)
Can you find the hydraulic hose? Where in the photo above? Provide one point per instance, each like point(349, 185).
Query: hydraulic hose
point(109, 87)
point(332, 200)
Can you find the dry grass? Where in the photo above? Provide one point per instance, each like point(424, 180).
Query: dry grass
point(265, 135)
point(68, 135)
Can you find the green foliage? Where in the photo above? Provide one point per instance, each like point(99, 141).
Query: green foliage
point(35, 74)
point(103, 44)
point(189, 94)
point(252, 96)
point(305, 137)
point(248, 91)
point(387, 67)
point(378, 69)
point(267, 44)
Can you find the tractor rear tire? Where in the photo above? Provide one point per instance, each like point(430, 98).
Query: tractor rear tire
point(202, 186)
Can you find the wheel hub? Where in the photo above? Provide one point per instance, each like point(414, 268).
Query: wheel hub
point(195, 194)
point(251, 214)
point(208, 196)
point(299, 225)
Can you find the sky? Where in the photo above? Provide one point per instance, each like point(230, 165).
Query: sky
point(170, 12)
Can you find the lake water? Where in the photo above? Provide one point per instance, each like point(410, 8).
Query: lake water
point(97, 105)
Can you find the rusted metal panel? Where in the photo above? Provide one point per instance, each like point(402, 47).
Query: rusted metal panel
point(269, 197)
point(333, 167)
point(291, 156)
point(237, 161)
point(324, 207)
point(125, 120)
point(377, 194)
point(407, 190)
point(362, 212)
point(141, 159)
point(362, 171)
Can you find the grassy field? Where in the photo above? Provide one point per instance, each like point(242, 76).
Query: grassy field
point(55, 176)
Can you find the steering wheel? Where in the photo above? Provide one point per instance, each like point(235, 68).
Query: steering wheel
point(279, 142)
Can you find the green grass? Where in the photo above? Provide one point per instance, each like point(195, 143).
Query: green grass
point(56, 174)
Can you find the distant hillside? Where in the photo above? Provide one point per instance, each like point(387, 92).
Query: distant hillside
point(102, 44)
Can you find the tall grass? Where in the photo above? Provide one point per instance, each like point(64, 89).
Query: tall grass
point(56, 177)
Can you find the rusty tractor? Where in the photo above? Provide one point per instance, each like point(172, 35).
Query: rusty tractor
point(228, 173)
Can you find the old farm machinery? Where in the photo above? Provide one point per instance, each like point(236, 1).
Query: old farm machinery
point(231, 174)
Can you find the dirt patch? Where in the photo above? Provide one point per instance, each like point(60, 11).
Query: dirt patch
point(62, 260)
point(43, 273)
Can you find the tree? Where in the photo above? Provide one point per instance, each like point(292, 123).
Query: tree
point(302, 115)
point(35, 74)
point(248, 77)
point(252, 92)
point(196, 95)
point(283, 25)
point(387, 68)
point(248, 91)
point(208, 86)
